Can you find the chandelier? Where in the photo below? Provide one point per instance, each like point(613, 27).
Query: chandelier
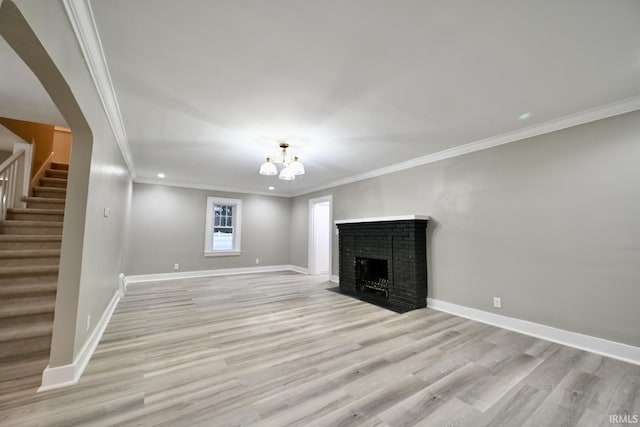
point(292, 167)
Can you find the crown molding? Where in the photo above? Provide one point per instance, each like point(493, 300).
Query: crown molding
point(82, 20)
point(591, 115)
point(208, 187)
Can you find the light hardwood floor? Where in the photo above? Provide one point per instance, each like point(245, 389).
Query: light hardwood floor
point(279, 349)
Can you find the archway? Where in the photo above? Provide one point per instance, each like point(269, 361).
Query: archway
point(15, 29)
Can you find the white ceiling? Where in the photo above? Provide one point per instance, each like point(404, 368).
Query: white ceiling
point(22, 97)
point(206, 87)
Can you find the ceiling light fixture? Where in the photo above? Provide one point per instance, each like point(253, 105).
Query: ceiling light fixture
point(161, 175)
point(292, 167)
point(524, 116)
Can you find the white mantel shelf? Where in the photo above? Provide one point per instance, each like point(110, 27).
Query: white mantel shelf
point(382, 218)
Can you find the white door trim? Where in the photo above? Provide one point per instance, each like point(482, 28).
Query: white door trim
point(311, 251)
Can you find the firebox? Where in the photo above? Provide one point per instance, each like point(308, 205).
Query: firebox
point(384, 261)
point(372, 275)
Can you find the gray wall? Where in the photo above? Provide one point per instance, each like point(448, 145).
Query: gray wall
point(551, 224)
point(41, 34)
point(168, 227)
point(4, 155)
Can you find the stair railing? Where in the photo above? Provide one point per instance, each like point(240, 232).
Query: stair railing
point(12, 182)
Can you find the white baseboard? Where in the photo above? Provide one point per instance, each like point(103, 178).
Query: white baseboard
point(66, 375)
point(121, 284)
point(297, 269)
point(335, 279)
point(141, 278)
point(615, 350)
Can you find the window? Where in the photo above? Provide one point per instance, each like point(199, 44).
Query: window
point(223, 222)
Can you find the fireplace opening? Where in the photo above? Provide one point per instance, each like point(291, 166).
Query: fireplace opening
point(372, 276)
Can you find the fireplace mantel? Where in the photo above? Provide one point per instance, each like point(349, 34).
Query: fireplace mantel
point(382, 219)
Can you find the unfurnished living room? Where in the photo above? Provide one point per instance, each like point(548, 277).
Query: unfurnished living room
point(319, 213)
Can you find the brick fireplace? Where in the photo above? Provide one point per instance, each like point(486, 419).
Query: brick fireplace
point(384, 260)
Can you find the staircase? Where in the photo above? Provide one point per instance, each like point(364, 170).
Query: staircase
point(29, 257)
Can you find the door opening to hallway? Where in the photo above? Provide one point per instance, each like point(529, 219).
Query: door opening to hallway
point(320, 226)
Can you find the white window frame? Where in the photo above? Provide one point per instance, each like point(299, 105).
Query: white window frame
point(237, 226)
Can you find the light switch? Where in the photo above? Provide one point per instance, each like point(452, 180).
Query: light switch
point(107, 212)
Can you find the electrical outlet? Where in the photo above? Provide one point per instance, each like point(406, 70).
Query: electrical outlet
point(257, 260)
point(497, 302)
point(88, 322)
point(107, 212)
point(176, 266)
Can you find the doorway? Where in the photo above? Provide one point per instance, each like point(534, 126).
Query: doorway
point(320, 235)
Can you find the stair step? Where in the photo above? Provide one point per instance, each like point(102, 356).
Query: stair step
point(18, 307)
point(31, 227)
point(10, 333)
point(50, 192)
point(30, 253)
point(53, 182)
point(30, 241)
point(25, 346)
point(55, 173)
point(21, 262)
point(25, 289)
point(27, 318)
point(28, 274)
point(43, 202)
point(59, 166)
point(26, 214)
point(28, 271)
point(23, 366)
point(29, 257)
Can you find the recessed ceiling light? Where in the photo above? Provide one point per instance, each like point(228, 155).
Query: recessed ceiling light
point(161, 175)
point(524, 116)
point(272, 188)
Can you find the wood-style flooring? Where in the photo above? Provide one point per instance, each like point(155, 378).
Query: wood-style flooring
point(279, 349)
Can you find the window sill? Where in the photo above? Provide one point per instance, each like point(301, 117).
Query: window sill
point(222, 253)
